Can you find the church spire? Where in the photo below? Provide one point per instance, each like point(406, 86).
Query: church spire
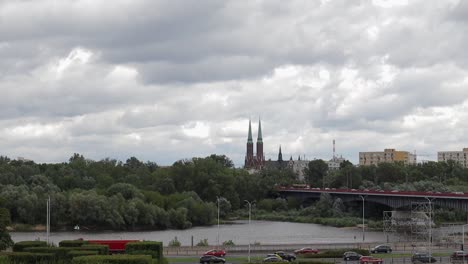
point(259, 138)
point(280, 155)
point(249, 138)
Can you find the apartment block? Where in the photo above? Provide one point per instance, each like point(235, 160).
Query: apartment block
point(388, 155)
point(458, 156)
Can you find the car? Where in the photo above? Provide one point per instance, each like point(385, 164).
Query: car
point(422, 258)
point(457, 255)
point(286, 256)
point(306, 250)
point(274, 259)
point(381, 249)
point(351, 255)
point(216, 252)
point(370, 260)
point(211, 259)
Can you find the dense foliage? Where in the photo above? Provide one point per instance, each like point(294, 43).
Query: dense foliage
point(135, 194)
point(428, 176)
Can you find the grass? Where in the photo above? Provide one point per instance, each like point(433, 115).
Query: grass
point(196, 259)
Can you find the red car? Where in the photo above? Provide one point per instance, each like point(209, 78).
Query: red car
point(306, 251)
point(216, 252)
point(370, 260)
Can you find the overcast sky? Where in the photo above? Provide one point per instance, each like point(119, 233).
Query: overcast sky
point(168, 80)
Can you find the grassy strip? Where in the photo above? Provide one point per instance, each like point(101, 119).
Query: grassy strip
point(197, 259)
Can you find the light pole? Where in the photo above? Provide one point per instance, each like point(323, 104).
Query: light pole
point(48, 220)
point(463, 241)
point(250, 212)
point(217, 236)
point(430, 225)
point(363, 226)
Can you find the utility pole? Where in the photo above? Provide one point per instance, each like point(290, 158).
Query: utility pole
point(363, 223)
point(250, 212)
point(48, 220)
point(217, 239)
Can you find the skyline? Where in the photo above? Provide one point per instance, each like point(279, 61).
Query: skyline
point(169, 80)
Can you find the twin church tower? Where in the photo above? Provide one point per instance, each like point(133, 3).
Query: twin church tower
point(258, 161)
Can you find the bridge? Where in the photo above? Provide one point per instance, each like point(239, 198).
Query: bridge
point(392, 199)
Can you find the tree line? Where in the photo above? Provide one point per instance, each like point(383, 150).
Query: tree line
point(134, 194)
point(429, 176)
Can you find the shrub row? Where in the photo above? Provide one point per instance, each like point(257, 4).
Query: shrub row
point(72, 243)
point(30, 258)
point(336, 253)
point(153, 248)
point(113, 259)
point(18, 247)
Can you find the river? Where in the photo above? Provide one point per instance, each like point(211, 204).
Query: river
point(264, 232)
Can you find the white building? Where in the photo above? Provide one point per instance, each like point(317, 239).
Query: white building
point(458, 156)
point(334, 163)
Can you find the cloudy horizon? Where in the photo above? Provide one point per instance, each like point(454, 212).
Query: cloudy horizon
point(170, 80)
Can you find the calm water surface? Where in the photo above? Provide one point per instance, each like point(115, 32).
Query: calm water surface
point(265, 232)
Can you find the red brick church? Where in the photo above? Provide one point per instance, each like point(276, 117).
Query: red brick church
point(256, 162)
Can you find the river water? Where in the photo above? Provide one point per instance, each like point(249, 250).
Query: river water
point(264, 232)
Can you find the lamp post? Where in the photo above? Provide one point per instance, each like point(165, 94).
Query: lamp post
point(463, 241)
point(430, 225)
point(48, 220)
point(363, 226)
point(217, 236)
point(250, 212)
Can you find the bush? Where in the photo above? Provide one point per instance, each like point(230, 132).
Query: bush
point(102, 249)
point(18, 247)
point(228, 243)
point(79, 253)
point(153, 248)
point(113, 259)
point(72, 243)
point(336, 253)
point(30, 258)
point(174, 242)
point(202, 243)
point(60, 253)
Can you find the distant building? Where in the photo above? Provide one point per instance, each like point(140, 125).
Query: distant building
point(457, 156)
point(256, 162)
point(388, 155)
point(334, 163)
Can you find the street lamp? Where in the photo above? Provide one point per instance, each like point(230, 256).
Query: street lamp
point(217, 236)
point(363, 226)
point(430, 225)
point(250, 212)
point(463, 241)
point(48, 220)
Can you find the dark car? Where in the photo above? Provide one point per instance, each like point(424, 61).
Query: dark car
point(286, 256)
point(381, 249)
point(422, 258)
point(274, 259)
point(211, 259)
point(457, 255)
point(351, 255)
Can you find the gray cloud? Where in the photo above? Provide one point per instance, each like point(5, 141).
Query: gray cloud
point(165, 80)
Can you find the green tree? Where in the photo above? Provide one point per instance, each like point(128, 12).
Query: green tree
point(315, 172)
point(5, 239)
